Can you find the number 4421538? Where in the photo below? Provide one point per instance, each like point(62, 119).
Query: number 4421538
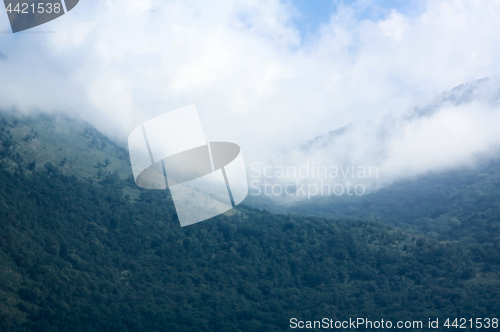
point(40, 8)
point(478, 323)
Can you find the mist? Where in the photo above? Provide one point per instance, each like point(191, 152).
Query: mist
point(256, 80)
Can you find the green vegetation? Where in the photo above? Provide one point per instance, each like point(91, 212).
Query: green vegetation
point(461, 204)
point(79, 253)
point(71, 144)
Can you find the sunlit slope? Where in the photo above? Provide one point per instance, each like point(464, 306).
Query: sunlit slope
point(69, 143)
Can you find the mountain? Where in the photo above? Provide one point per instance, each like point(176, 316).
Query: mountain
point(485, 90)
point(83, 249)
point(461, 204)
point(74, 146)
point(456, 204)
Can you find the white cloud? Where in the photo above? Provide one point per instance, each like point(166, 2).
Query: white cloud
point(394, 26)
point(119, 63)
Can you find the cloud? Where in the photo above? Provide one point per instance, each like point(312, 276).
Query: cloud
point(119, 63)
point(456, 129)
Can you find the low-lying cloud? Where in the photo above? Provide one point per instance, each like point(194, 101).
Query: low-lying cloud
point(119, 63)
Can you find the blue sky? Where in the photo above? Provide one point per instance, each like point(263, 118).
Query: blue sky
point(311, 14)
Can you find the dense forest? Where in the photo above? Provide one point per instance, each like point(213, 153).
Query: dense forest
point(460, 204)
point(83, 249)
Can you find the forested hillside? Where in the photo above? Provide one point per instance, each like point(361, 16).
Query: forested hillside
point(88, 251)
point(461, 204)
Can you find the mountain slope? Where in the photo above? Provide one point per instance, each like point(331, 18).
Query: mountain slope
point(74, 146)
point(83, 257)
point(78, 253)
point(457, 204)
point(460, 203)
